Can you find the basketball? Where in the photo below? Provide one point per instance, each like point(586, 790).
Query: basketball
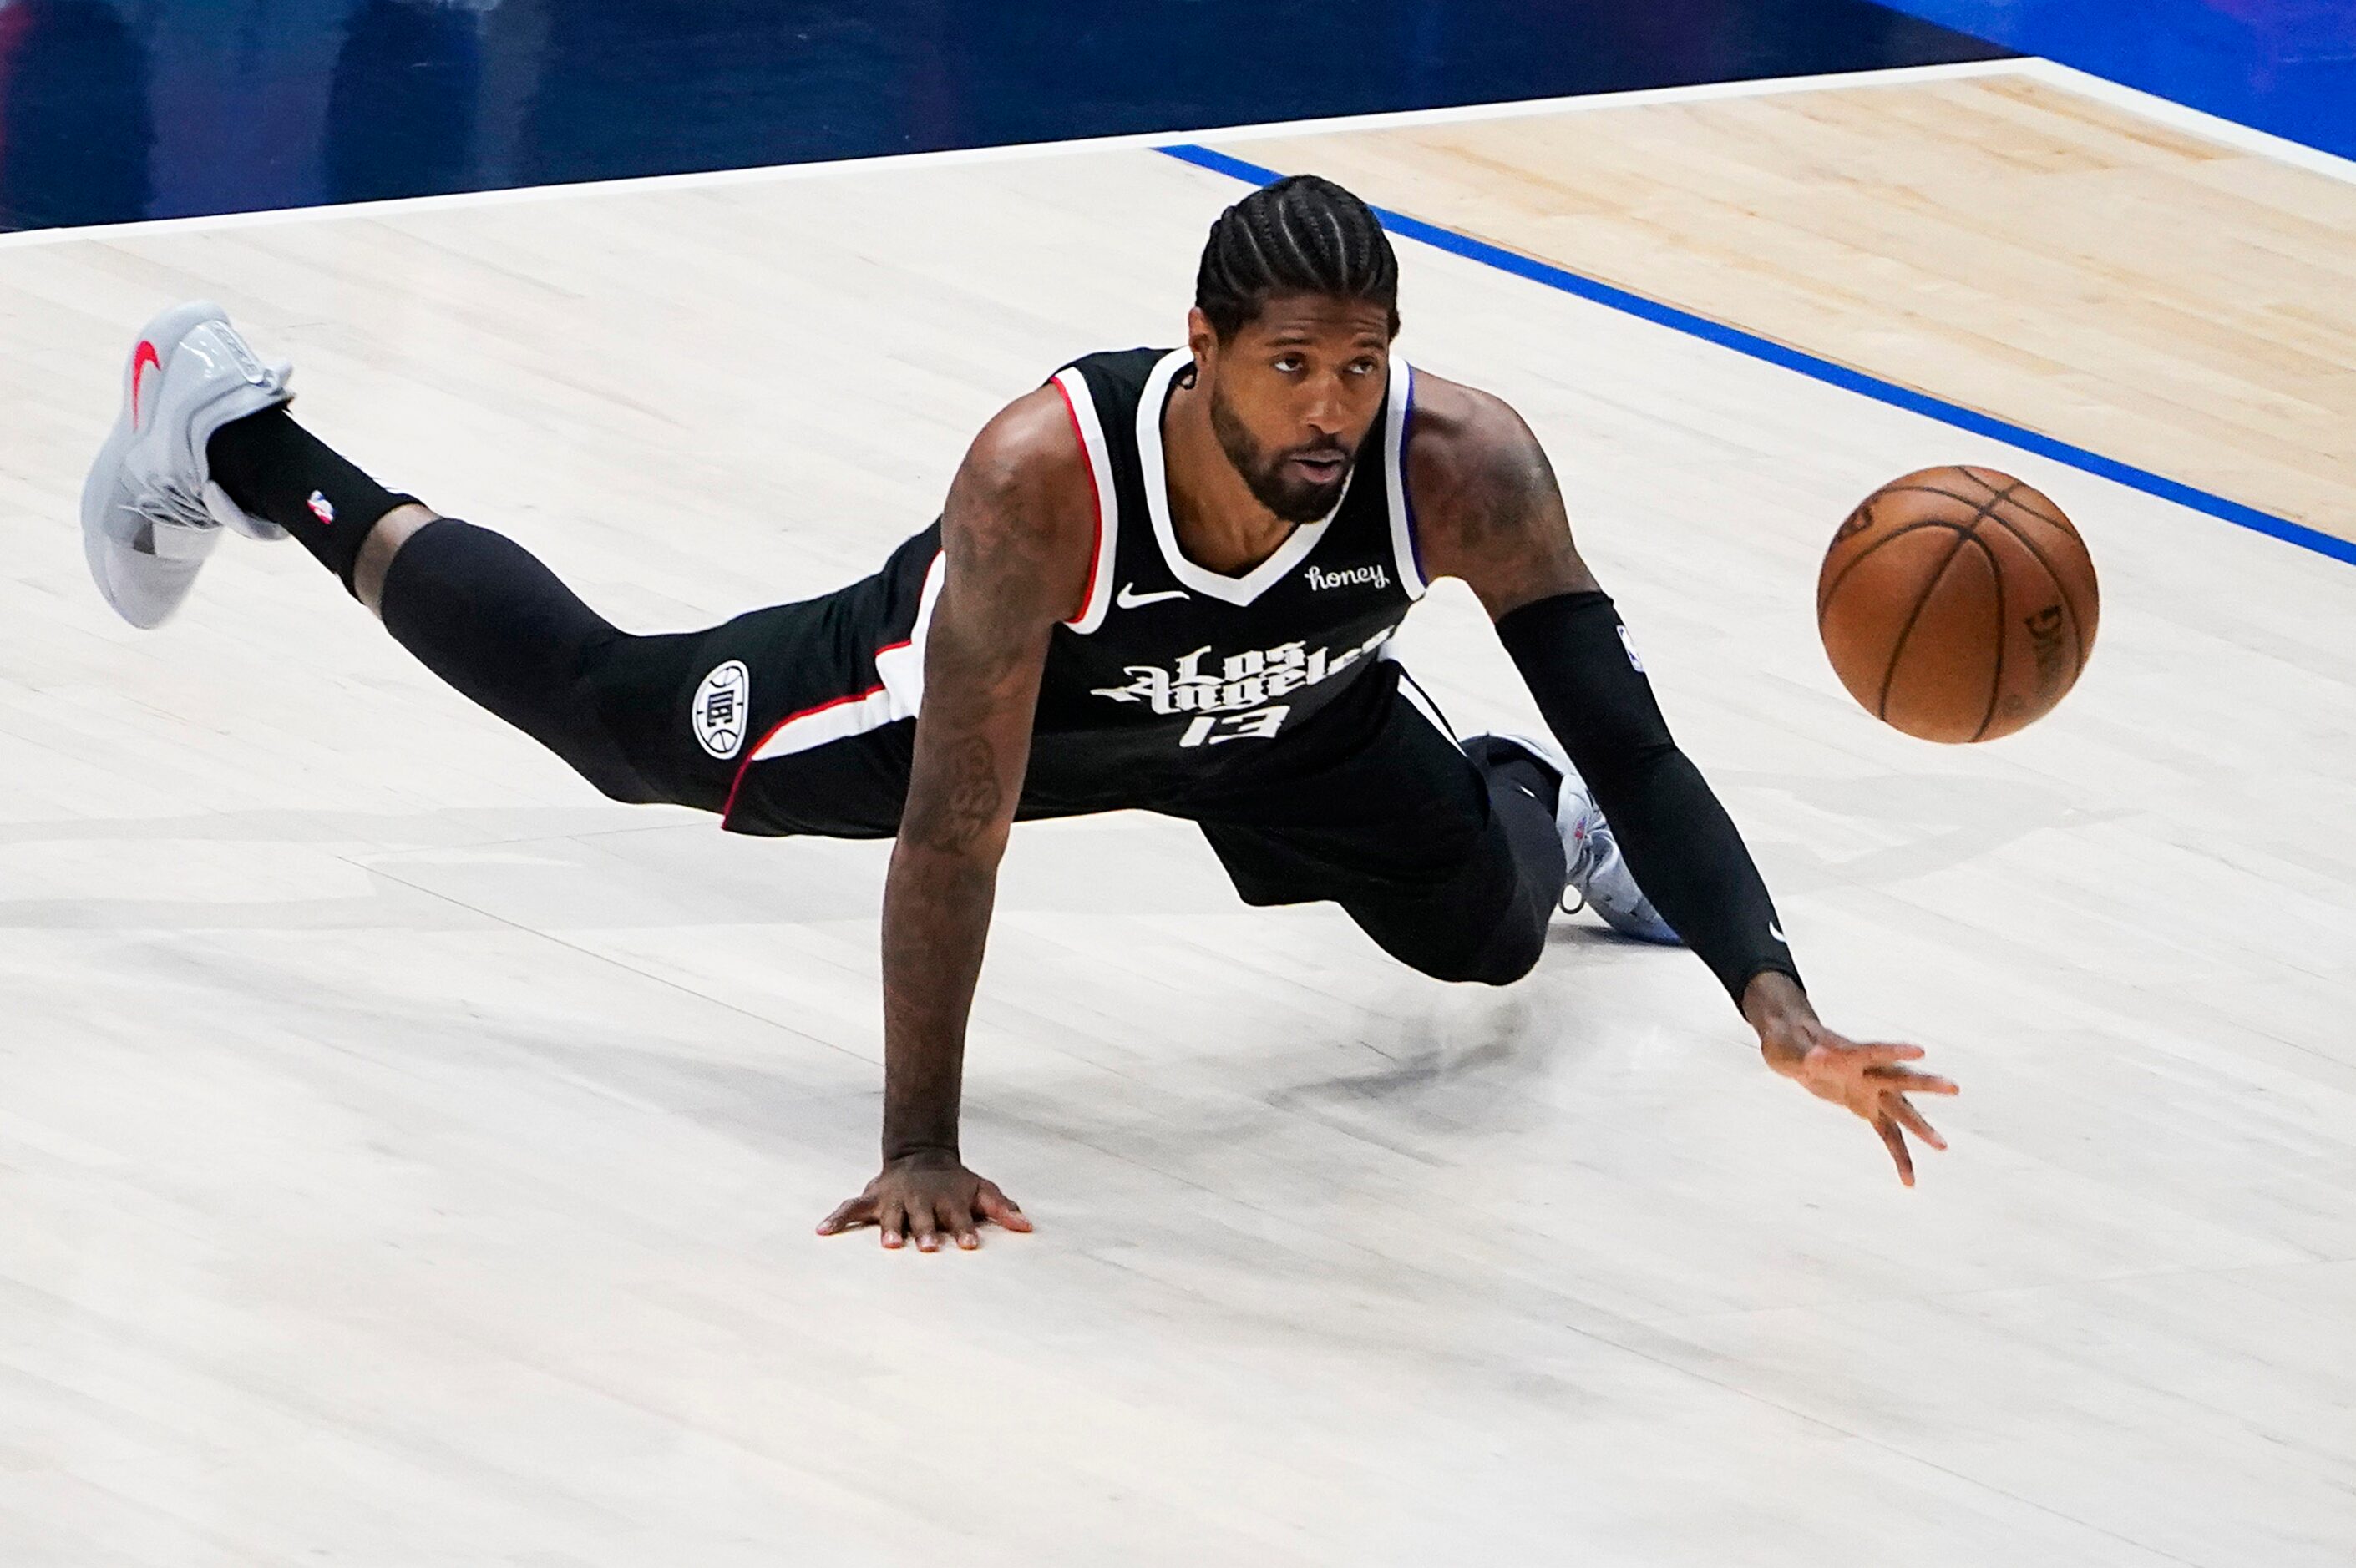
point(1957, 605)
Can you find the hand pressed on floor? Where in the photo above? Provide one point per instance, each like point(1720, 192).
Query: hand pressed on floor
point(926, 1198)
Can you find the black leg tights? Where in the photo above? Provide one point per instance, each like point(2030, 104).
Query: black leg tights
point(482, 613)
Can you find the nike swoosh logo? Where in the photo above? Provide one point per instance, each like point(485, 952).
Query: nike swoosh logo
point(1776, 931)
point(1129, 598)
point(140, 359)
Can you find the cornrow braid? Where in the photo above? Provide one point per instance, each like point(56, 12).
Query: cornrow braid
point(1301, 235)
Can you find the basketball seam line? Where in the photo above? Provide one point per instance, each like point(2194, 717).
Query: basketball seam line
point(1995, 675)
point(1987, 512)
point(2077, 626)
point(1898, 648)
point(2064, 523)
point(1825, 597)
point(2013, 495)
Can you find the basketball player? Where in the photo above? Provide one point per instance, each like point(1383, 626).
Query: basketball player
point(1163, 580)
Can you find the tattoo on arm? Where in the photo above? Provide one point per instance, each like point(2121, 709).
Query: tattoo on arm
point(1011, 572)
point(1503, 493)
point(1496, 513)
point(950, 821)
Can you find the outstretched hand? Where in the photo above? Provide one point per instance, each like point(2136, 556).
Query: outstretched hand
point(927, 1198)
point(1870, 1080)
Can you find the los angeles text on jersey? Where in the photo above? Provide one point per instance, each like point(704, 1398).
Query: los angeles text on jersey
point(1242, 681)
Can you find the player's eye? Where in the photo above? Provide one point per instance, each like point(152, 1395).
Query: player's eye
point(1288, 363)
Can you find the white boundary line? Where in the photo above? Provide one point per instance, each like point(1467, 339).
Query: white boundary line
point(1765, 86)
point(2159, 110)
point(2177, 116)
point(143, 228)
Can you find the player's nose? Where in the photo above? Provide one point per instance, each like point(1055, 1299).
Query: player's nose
point(1328, 412)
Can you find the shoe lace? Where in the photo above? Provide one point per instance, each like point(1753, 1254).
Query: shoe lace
point(161, 503)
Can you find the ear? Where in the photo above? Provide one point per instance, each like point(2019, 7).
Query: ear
point(1201, 341)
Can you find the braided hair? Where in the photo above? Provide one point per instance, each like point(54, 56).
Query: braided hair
point(1301, 235)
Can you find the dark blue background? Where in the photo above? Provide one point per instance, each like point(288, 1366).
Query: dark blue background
point(116, 111)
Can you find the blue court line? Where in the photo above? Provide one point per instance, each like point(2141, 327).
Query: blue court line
point(1808, 364)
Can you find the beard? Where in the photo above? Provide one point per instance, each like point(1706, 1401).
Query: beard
point(1290, 497)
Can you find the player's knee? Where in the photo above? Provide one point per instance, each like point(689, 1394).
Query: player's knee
point(1483, 970)
point(1511, 951)
point(1510, 962)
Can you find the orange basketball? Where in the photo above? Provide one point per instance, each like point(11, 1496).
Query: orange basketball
point(1957, 604)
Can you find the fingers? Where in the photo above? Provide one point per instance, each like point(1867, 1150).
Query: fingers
point(970, 1217)
point(930, 1222)
point(849, 1215)
point(1894, 1140)
point(923, 1225)
point(996, 1206)
point(1906, 1081)
point(1884, 1053)
point(1911, 1120)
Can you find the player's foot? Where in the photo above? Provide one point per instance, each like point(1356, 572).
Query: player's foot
point(1598, 874)
point(150, 510)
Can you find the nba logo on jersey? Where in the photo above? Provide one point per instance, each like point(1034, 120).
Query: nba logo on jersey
point(719, 708)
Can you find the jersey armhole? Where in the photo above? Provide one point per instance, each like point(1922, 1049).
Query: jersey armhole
point(1399, 419)
point(1081, 405)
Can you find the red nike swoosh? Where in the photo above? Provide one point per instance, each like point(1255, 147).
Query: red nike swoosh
point(141, 359)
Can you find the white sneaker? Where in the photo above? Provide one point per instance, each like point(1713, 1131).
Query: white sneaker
point(150, 511)
point(1597, 872)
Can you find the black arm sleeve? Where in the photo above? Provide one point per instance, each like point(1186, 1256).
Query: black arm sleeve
point(1679, 842)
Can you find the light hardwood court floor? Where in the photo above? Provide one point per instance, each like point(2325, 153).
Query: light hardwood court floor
point(407, 1158)
point(1986, 235)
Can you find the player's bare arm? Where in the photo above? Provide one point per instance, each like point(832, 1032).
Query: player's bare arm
point(1015, 532)
point(1491, 513)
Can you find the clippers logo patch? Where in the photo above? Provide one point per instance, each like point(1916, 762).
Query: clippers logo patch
point(719, 708)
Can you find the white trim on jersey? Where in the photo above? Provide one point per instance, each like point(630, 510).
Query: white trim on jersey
point(1082, 406)
point(900, 669)
point(836, 720)
point(1397, 411)
point(1199, 579)
point(1419, 701)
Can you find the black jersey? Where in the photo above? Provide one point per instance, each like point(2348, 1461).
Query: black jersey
point(1171, 677)
point(1171, 668)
